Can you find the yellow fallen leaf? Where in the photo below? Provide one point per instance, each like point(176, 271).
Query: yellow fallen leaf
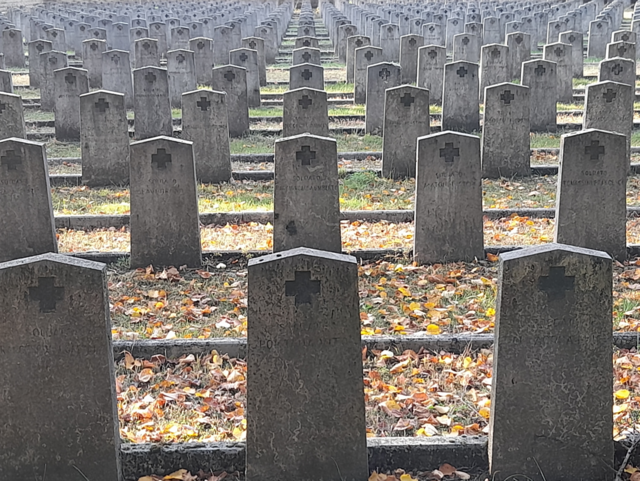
point(622, 394)
point(485, 412)
point(179, 475)
point(407, 477)
point(433, 329)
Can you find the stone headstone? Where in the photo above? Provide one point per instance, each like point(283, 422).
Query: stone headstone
point(540, 77)
point(519, 45)
point(12, 48)
point(202, 49)
point(431, 60)
point(619, 70)
point(205, 122)
point(257, 43)
point(554, 303)
point(409, 45)
point(92, 51)
point(248, 59)
point(306, 75)
point(306, 187)
point(104, 139)
point(222, 45)
point(181, 75)
point(460, 102)
point(591, 198)
point(365, 57)
point(49, 61)
point(380, 77)
point(152, 107)
point(55, 312)
point(303, 306)
point(11, 117)
point(561, 54)
point(576, 40)
point(6, 82)
point(406, 117)
point(506, 139)
point(35, 49)
point(26, 215)
point(433, 34)
point(69, 84)
point(116, 74)
point(179, 38)
point(466, 48)
point(622, 49)
point(353, 42)
point(491, 30)
point(306, 55)
point(390, 42)
point(146, 53)
point(494, 66)
point(233, 80)
point(448, 203)
point(306, 41)
point(158, 31)
point(164, 206)
point(598, 38)
point(305, 110)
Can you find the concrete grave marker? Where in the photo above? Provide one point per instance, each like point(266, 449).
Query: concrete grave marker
point(460, 104)
point(233, 80)
point(11, 117)
point(202, 49)
point(50, 61)
point(35, 49)
point(365, 57)
point(69, 84)
point(146, 53)
point(494, 66)
point(305, 110)
point(152, 108)
point(431, 61)
point(409, 46)
point(380, 77)
point(92, 51)
point(540, 77)
point(181, 74)
point(619, 70)
point(248, 59)
point(306, 75)
point(561, 54)
point(116, 74)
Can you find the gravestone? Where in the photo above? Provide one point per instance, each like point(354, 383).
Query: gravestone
point(406, 117)
point(609, 106)
point(6, 82)
point(460, 103)
point(448, 203)
point(202, 49)
point(494, 66)
point(306, 55)
point(591, 198)
point(621, 49)
point(431, 60)
point(454, 26)
point(433, 35)
point(390, 42)
point(248, 59)
point(519, 51)
point(598, 39)
point(152, 108)
point(506, 139)
point(233, 80)
point(466, 48)
point(179, 38)
point(158, 31)
point(576, 40)
point(12, 48)
point(268, 34)
point(136, 34)
point(222, 45)
point(55, 312)
point(619, 70)
point(49, 61)
point(303, 307)
point(104, 139)
point(25, 195)
point(69, 84)
point(257, 43)
point(306, 187)
point(353, 42)
point(561, 54)
point(181, 74)
point(306, 75)
point(409, 45)
point(305, 110)
point(624, 36)
point(306, 41)
point(164, 206)
point(365, 57)
point(11, 117)
point(380, 77)
point(116, 74)
point(554, 304)
point(92, 51)
point(35, 49)
point(491, 30)
point(146, 53)
point(205, 122)
point(540, 77)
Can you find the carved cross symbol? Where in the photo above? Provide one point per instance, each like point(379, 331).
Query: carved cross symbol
point(306, 43)
point(449, 152)
point(180, 58)
point(302, 287)
point(621, 50)
point(540, 70)
point(557, 27)
point(305, 102)
point(102, 105)
point(94, 47)
point(150, 77)
point(252, 45)
point(625, 37)
point(617, 69)
point(243, 57)
point(46, 293)
point(384, 74)
point(407, 99)
point(609, 95)
point(306, 74)
point(359, 43)
point(306, 56)
point(465, 40)
point(559, 52)
point(200, 45)
point(230, 75)
point(306, 31)
point(70, 79)
point(306, 155)
point(572, 38)
point(39, 47)
point(53, 60)
point(462, 71)
point(11, 160)
point(390, 29)
point(115, 59)
point(432, 54)
point(518, 39)
point(507, 97)
point(495, 53)
point(368, 55)
point(161, 158)
point(431, 29)
point(203, 103)
point(146, 46)
point(556, 284)
point(595, 150)
point(412, 42)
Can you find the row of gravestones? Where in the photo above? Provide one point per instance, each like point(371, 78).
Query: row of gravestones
point(306, 418)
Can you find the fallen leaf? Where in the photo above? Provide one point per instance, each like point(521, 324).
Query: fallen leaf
point(446, 469)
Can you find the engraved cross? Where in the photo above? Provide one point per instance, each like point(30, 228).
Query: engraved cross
point(449, 153)
point(203, 103)
point(540, 70)
point(609, 95)
point(46, 293)
point(302, 287)
point(407, 99)
point(229, 75)
point(462, 71)
point(102, 105)
point(617, 69)
point(305, 102)
point(150, 77)
point(595, 150)
point(161, 158)
point(368, 55)
point(556, 284)
point(507, 97)
point(306, 155)
point(306, 74)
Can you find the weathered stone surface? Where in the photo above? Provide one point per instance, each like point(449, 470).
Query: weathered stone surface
point(49, 61)
point(460, 103)
point(365, 57)
point(353, 42)
point(233, 80)
point(202, 49)
point(598, 38)
point(104, 138)
point(25, 194)
point(305, 197)
point(431, 60)
point(304, 368)
point(205, 122)
point(551, 408)
point(257, 43)
point(146, 53)
point(466, 48)
point(448, 205)
point(390, 42)
point(561, 54)
point(519, 45)
point(380, 77)
point(409, 46)
point(164, 206)
point(306, 75)
point(11, 117)
point(618, 70)
point(591, 198)
point(305, 110)
point(37, 47)
point(622, 50)
point(506, 138)
point(55, 312)
point(248, 59)
point(406, 117)
point(181, 74)
point(116, 74)
point(494, 66)
point(152, 108)
point(69, 84)
point(540, 77)
point(307, 55)
point(576, 40)
point(92, 51)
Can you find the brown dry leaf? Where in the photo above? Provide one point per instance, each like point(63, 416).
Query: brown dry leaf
point(180, 475)
point(129, 361)
point(635, 476)
point(446, 469)
point(145, 376)
point(204, 274)
point(375, 476)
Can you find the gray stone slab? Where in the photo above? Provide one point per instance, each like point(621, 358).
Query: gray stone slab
point(540, 77)
point(619, 70)
point(431, 61)
point(179, 38)
point(35, 48)
point(304, 369)
point(561, 54)
point(11, 117)
point(519, 45)
point(55, 312)
point(460, 102)
point(92, 51)
point(25, 194)
point(257, 43)
point(306, 194)
point(380, 77)
point(466, 48)
point(181, 74)
point(233, 80)
point(69, 84)
point(146, 53)
point(307, 55)
point(599, 35)
point(494, 66)
point(305, 111)
point(409, 46)
point(365, 57)
point(576, 40)
point(353, 42)
point(248, 59)
point(116, 74)
point(164, 221)
point(49, 61)
point(202, 49)
point(622, 49)
point(306, 75)
point(551, 408)
point(390, 42)
point(152, 108)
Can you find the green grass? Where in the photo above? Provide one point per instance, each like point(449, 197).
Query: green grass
point(259, 144)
